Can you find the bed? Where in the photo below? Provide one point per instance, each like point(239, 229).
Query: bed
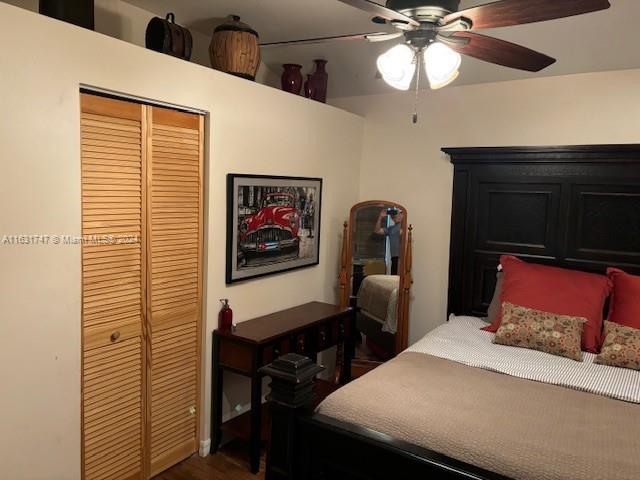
point(378, 299)
point(444, 393)
point(453, 407)
point(377, 312)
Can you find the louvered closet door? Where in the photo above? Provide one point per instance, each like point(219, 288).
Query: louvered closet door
point(175, 271)
point(113, 280)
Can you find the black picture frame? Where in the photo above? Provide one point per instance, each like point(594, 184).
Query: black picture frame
point(279, 249)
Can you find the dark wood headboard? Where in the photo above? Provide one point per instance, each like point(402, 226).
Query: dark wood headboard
point(575, 207)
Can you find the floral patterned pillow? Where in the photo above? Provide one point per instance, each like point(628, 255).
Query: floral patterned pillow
point(621, 347)
point(547, 332)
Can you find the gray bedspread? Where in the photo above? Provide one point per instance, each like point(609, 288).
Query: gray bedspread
point(378, 298)
point(519, 428)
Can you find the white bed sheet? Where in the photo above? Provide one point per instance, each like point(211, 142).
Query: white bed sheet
point(462, 341)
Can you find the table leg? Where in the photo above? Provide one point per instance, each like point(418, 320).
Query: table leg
point(216, 397)
point(348, 356)
point(348, 348)
point(256, 422)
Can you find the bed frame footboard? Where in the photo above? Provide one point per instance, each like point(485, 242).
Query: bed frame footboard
point(309, 446)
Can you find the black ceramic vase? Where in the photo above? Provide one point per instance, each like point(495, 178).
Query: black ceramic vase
point(292, 78)
point(318, 82)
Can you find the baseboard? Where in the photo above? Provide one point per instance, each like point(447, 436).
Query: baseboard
point(205, 446)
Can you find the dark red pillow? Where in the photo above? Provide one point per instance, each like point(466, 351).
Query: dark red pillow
point(556, 290)
point(625, 301)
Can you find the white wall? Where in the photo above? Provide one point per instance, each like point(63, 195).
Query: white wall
point(402, 162)
point(127, 22)
point(251, 129)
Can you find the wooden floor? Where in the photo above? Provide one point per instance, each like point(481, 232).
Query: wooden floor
point(230, 463)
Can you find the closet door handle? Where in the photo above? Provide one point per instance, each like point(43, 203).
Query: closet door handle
point(115, 336)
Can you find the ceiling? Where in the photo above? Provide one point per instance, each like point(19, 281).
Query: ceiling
point(599, 41)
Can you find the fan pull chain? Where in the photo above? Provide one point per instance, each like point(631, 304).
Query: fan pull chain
point(417, 98)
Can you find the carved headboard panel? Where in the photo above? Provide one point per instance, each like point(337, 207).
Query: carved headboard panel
point(575, 207)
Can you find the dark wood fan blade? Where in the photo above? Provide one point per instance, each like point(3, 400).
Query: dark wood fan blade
point(501, 52)
point(309, 41)
point(516, 12)
point(377, 10)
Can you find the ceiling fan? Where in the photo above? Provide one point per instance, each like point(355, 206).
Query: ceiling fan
point(436, 33)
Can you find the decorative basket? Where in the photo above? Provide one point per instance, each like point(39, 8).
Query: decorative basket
point(166, 36)
point(234, 49)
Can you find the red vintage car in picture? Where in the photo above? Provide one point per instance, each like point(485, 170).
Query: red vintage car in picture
point(271, 231)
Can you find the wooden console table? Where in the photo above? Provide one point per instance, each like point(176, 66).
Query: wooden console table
point(306, 329)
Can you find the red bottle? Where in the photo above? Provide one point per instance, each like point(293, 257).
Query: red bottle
point(225, 317)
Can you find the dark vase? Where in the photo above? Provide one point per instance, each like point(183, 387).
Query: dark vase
point(309, 91)
point(292, 78)
point(319, 80)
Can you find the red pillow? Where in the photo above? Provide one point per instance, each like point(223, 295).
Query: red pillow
point(556, 290)
point(625, 301)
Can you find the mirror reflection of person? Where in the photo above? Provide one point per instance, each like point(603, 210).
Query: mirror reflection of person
point(392, 232)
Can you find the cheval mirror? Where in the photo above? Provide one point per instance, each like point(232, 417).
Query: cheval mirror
point(375, 279)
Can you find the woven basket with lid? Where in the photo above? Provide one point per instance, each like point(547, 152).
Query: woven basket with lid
point(234, 49)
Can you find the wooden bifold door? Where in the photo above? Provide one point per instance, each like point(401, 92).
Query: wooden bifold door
point(142, 227)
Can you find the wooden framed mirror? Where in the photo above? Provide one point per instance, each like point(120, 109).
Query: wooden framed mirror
point(375, 279)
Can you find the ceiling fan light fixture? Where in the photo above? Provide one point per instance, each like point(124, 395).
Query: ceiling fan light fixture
point(441, 64)
point(437, 85)
point(397, 66)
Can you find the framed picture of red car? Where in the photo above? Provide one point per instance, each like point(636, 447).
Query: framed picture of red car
point(273, 224)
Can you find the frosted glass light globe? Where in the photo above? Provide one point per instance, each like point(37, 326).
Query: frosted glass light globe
point(441, 64)
point(397, 66)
